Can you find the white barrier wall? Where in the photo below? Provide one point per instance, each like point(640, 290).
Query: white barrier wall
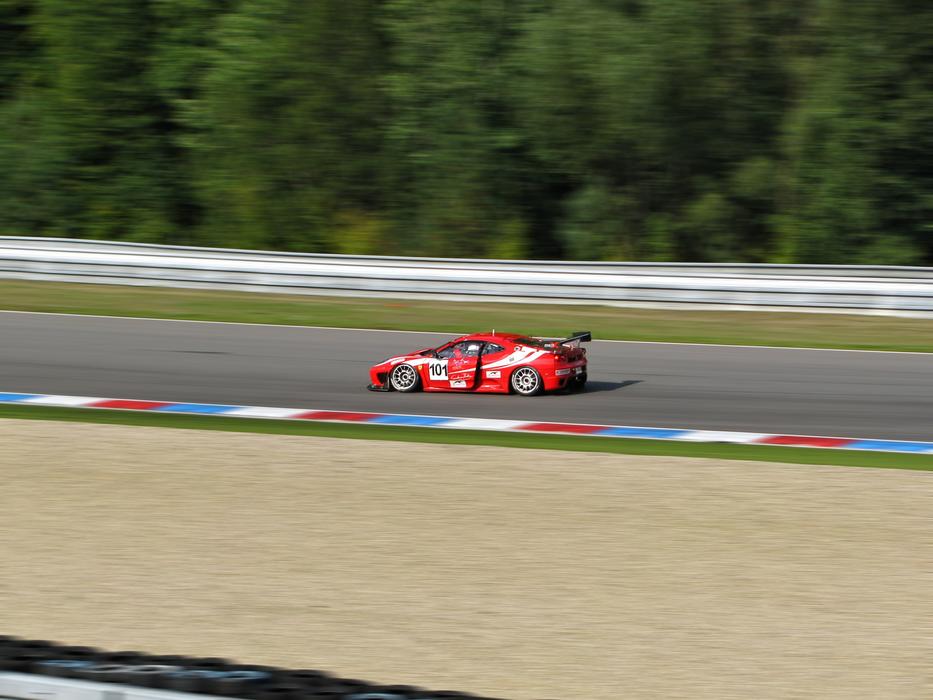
point(25, 686)
point(842, 289)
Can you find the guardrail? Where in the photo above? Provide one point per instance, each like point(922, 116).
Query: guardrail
point(829, 288)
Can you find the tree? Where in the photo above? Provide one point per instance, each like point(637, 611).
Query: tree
point(287, 142)
point(654, 107)
point(94, 124)
point(859, 141)
point(183, 37)
point(17, 46)
point(463, 180)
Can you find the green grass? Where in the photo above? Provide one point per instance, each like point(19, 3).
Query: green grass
point(722, 327)
point(580, 443)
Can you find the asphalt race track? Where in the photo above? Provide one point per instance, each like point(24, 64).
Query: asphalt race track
point(811, 392)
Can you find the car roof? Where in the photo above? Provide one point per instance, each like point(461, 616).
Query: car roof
point(490, 337)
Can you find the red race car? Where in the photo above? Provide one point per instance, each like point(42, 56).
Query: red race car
point(488, 362)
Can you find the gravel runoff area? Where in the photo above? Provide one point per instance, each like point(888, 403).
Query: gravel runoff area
point(516, 573)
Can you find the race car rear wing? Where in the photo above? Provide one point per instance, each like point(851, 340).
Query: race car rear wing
point(578, 337)
point(574, 340)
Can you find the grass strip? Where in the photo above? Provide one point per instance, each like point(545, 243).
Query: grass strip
point(577, 443)
point(714, 327)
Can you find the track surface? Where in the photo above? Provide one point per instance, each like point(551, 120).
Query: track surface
point(854, 394)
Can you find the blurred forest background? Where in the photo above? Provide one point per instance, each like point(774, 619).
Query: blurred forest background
point(692, 130)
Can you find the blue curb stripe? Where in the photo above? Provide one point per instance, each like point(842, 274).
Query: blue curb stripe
point(195, 408)
point(409, 420)
point(890, 445)
point(660, 433)
point(17, 397)
point(621, 431)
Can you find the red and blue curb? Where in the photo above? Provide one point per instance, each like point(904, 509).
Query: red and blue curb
point(450, 422)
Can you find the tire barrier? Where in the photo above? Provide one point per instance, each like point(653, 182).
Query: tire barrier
point(31, 668)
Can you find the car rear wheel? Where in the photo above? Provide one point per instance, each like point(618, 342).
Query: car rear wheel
point(578, 383)
point(404, 378)
point(526, 381)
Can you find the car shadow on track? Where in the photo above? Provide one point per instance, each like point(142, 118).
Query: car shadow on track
point(594, 387)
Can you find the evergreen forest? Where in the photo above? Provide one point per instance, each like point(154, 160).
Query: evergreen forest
point(790, 131)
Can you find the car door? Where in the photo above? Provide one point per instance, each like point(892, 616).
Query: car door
point(436, 368)
point(491, 355)
point(463, 364)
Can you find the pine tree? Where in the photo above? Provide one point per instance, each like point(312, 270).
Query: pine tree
point(462, 177)
point(858, 143)
point(288, 145)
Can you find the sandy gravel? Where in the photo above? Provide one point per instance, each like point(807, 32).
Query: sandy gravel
point(517, 573)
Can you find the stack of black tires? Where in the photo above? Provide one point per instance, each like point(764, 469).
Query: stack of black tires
point(208, 676)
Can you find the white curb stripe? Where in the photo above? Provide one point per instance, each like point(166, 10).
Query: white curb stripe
point(463, 423)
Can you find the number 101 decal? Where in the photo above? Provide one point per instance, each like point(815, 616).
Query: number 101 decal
point(438, 369)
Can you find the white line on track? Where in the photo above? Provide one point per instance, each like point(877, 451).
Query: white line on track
point(380, 330)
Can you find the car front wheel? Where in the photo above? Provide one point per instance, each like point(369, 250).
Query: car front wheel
point(404, 378)
point(526, 381)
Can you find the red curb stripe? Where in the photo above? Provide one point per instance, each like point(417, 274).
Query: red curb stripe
point(452, 422)
point(132, 405)
point(561, 428)
point(803, 441)
point(336, 415)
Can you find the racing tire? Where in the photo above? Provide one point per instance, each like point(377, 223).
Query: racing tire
point(526, 381)
point(578, 383)
point(59, 668)
point(21, 661)
point(404, 378)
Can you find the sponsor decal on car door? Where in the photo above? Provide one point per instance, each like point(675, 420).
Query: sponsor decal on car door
point(462, 372)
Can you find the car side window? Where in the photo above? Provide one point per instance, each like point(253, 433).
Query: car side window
point(492, 349)
point(468, 348)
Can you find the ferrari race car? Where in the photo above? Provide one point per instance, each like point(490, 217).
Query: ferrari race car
point(488, 362)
